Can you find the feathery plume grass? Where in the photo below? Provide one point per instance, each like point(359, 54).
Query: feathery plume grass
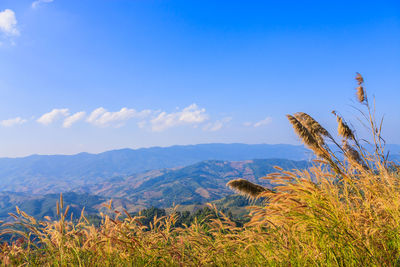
point(353, 156)
point(360, 94)
point(343, 129)
point(311, 124)
point(61, 201)
point(246, 188)
point(361, 97)
point(359, 78)
point(317, 131)
point(306, 136)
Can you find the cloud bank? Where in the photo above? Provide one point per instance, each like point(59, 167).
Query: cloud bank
point(152, 120)
point(191, 115)
point(13, 122)
point(103, 118)
point(53, 115)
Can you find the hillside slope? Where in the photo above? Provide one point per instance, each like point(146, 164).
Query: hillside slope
point(52, 174)
point(194, 184)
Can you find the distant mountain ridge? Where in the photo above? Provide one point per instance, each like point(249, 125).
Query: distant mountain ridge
point(84, 169)
point(89, 180)
point(194, 184)
point(62, 173)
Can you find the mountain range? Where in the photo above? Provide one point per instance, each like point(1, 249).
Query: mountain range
point(138, 179)
point(194, 184)
point(61, 173)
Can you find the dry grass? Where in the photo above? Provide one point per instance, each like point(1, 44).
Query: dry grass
point(344, 211)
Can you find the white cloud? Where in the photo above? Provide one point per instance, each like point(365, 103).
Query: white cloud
point(13, 122)
point(216, 126)
point(189, 115)
point(8, 23)
point(35, 4)
point(260, 123)
point(102, 117)
point(95, 114)
point(263, 122)
point(53, 115)
point(73, 118)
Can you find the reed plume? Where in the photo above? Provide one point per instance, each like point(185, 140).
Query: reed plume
point(359, 78)
point(246, 188)
point(317, 131)
point(353, 156)
point(360, 94)
point(343, 129)
point(311, 124)
point(306, 136)
point(361, 97)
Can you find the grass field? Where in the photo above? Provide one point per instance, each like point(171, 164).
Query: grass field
point(343, 211)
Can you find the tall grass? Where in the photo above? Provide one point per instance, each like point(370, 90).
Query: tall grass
point(343, 211)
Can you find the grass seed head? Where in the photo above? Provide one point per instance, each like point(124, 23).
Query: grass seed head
point(343, 129)
point(308, 139)
point(360, 94)
point(246, 188)
point(312, 126)
point(359, 79)
point(352, 155)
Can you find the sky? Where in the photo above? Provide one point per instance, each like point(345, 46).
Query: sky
point(95, 75)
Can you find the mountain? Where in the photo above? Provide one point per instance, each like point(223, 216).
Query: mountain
point(61, 173)
point(34, 182)
point(194, 184)
point(45, 205)
point(39, 206)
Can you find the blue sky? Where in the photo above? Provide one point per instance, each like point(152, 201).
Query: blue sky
point(97, 75)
